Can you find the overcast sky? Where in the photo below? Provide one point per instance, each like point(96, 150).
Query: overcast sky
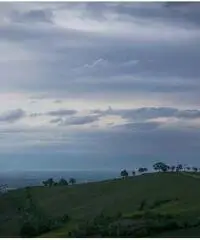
point(99, 85)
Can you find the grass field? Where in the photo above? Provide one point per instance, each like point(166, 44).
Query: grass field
point(178, 194)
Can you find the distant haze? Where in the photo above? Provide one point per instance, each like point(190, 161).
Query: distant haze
point(35, 178)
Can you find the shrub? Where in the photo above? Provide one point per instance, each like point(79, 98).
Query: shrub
point(28, 230)
point(142, 205)
point(158, 203)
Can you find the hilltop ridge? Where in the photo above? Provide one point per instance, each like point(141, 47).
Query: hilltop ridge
point(174, 193)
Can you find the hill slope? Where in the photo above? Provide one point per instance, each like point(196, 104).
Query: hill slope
point(171, 193)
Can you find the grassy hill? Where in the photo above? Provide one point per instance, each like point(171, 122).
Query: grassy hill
point(174, 194)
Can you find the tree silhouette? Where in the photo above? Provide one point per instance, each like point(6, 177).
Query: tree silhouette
point(179, 167)
point(3, 188)
point(62, 182)
point(195, 169)
point(133, 173)
point(173, 168)
point(142, 170)
point(72, 181)
point(124, 173)
point(50, 182)
point(160, 166)
point(145, 169)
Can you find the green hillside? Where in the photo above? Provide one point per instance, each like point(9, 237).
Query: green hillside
point(174, 196)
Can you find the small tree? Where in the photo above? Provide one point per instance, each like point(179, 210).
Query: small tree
point(28, 230)
point(173, 168)
point(179, 167)
point(195, 169)
point(124, 173)
point(63, 182)
point(141, 170)
point(50, 182)
point(160, 166)
point(133, 173)
point(45, 183)
point(145, 169)
point(72, 181)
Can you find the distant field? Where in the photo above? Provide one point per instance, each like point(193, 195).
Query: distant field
point(85, 201)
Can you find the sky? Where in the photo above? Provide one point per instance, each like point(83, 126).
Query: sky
point(99, 85)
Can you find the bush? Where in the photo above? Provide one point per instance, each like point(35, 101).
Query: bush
point(41, 226)
point(141, 232)
point(146, 224)
point(28, 230)
point(158, 203)
point(142, 205)
point(65, 218)
point(43, 229)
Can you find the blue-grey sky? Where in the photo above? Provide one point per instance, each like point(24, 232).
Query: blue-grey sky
point(99, 85)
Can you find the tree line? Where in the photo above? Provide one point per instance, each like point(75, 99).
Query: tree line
point(62, 182)
point(161, 167)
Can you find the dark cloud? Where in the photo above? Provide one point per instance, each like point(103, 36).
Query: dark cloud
point(35, 115)
point(32, 16)
point(103, 53)
point(143, 126)
point(56, 120)
point(80, 120)
point(146, 113)
point(12, 116)
point(184, 13)
point(173, 63)
point(189, 114)
point(62, 112)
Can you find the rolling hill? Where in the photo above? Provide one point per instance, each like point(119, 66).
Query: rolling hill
point(172, 195)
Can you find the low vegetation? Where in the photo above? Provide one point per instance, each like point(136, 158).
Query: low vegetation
point(145, 224)
point(62, 182)
point(34, 221)
point(138, 205)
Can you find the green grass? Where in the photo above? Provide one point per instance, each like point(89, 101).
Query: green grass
point(85, 201)
point(182, 233)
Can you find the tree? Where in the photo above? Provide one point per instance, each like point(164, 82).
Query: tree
point(124, 173)
point(45, 183)
point(3, 188)
point(50, 182)
point(133, 173)
point(160, 166)
point(185, 166)
point(173, 168)
point(188, 168)
point(168, 168)
point(63, 182)
point(145, 169)
point(28, 230)
point(72, 181)
point(141, 170)
point(195, 169)
point(179, 167)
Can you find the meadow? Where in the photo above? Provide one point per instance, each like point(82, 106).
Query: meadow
point(170, 198)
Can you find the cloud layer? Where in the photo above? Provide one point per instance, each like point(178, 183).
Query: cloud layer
point(107, 82)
